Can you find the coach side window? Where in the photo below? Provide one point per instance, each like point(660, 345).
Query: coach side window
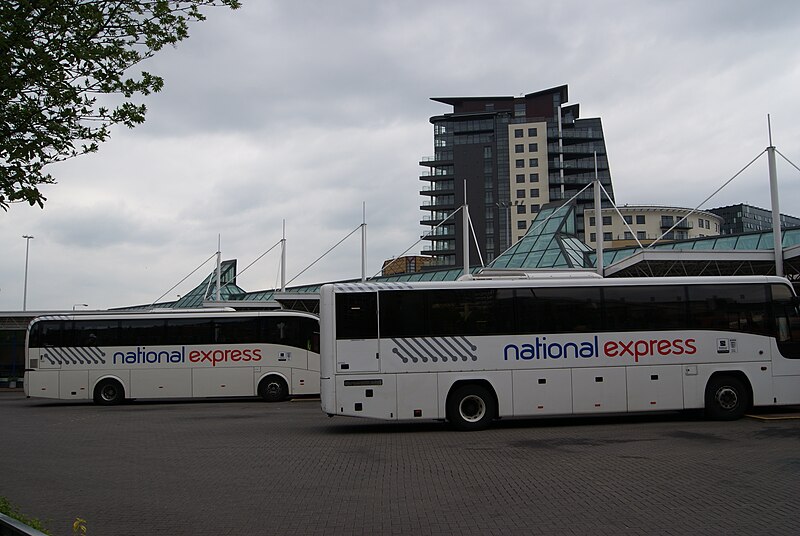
point(732, 307)
point(93, 333)
point(558, 310)
point(357, 315)
point(47, 333)
point(651, 308)
point(142, 332)
point(235, 330)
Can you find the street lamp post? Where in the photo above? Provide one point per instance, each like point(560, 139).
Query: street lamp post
point(25, 286)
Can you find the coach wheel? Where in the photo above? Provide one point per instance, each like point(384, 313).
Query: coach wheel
point(471, 407)
point(273, 389)
point(109, 393)
point(727, 399)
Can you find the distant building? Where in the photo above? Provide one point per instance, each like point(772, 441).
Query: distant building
point(646, 223)
point(744, 218)
point(405, 265)
point(514, 154)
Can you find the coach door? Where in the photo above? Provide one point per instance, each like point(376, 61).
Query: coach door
point(357, 332)
point(786, 360)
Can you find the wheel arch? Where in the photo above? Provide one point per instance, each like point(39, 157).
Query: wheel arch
point(483, 382)
point(738, 374)
point(281, 375)
point(104, 377)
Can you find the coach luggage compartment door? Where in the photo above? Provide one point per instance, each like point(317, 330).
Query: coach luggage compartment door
point(357, 332)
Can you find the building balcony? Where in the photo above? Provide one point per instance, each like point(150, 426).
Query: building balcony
point(579, 163)
point(574, 133)
point(684, 225)
point(438, 249)
point(440, 187)
point(577, 149)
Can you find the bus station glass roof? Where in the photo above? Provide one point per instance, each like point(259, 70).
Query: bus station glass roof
point(550, 243)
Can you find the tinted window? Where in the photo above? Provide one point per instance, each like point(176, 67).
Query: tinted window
point(95, 333)
point(142, 332)
point(729, 308)
point(357, 315)
point(46, 333)
point(442, 313)
point(404, 314)
point(287, 331)
point(462, 312)
point(644, 308)
point(189, 331)
point(558, 310)
point(236, 330)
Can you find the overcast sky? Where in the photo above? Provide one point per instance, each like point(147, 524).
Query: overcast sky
point(304, 110)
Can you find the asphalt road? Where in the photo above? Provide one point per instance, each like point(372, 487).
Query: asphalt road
point(242, 467)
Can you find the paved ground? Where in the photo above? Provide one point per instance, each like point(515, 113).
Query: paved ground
point(245, 467)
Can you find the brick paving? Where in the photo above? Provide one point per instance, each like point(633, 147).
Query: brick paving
point(244, 467)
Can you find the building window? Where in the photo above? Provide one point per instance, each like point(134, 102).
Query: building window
point(519, 110)
point(641, 235)
point(535, 208)
point(533, 147)
point(607, 237)
point(520, 194)
point(533, 162)
point(520, 178)
point(522, 224)
point(640, 219)
point(628, 219)
point(593, 237)
point(534, 192)
point(487, 152)
point(628, 235)
point(534, 177)
point(519, 163)
point(518, 133)
point(532, 132)
point(606, 220)
point(489, 197)
point(592, 223)
point(519, 148)
point(521, 209)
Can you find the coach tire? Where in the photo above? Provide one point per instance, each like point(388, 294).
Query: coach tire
point(109, 393)
point(471, 407)
point(273, 389)
point(727, 399)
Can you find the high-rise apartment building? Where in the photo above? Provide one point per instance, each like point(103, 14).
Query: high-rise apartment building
point(514, 154)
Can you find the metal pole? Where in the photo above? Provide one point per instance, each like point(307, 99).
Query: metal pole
point(219, 267)
point(776, 212)
point(598, 218)
point(465, 231)
point(283, 258)
point(560, 153)
point(25, 285)
point(363, 241)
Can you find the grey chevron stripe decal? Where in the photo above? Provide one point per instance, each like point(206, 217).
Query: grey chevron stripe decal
point(434, 349)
